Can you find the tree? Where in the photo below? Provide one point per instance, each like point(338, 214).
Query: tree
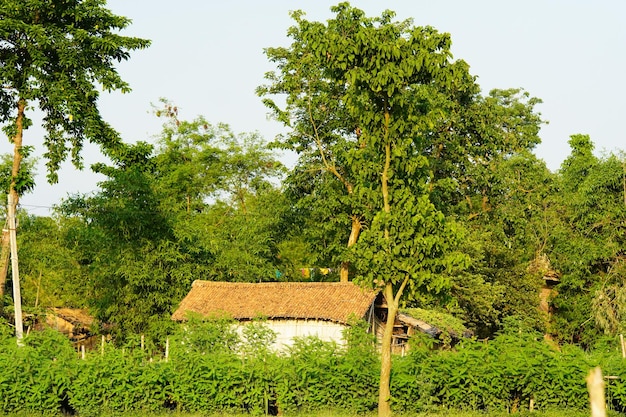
point(55, 55)
point(519, 227)
point(220, 188)
point(133, 266)
point(199, 204)
point(188, 160)
point(590, 252)
point(384, 79)
point(464, 133)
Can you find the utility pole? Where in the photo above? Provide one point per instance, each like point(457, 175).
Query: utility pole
point(17, 297)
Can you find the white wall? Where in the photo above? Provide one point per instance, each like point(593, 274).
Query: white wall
point(287, 330)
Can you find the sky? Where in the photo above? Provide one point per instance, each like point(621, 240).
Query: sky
point(207, 58)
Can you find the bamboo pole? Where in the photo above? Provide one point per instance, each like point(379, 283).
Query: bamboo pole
point(621, 343)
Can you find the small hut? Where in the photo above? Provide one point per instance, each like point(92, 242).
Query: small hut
point(291, 309)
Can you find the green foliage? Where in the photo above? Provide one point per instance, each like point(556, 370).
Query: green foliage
point(123, 242)
point(38, 376)
point(6, 332)
point(317, 375)
point(25, 181)
point(50, 274)
point(497, 376)
point(58, 57)
point(205, 336)
point(445, 322)
point(589, 250)
point(120, 381)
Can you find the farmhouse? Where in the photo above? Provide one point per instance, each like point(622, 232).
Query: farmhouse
point(297, 309)
point(292, 309)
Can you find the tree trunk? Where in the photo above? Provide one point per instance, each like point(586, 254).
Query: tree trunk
point(384, 391)
point(354, 236)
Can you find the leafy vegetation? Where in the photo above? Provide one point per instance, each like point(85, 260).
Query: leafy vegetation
point(408, 179)
point(211, 369)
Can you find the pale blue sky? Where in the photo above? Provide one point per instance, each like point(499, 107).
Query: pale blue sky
point(207, 57)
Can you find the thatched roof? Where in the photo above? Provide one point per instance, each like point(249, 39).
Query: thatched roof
point(331, 301)
point(72, 322)
point(76, 316)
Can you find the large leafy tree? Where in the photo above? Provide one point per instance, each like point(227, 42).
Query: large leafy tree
point(384, 78)
point(56, 56)
point(392, 133)
point(464, 135)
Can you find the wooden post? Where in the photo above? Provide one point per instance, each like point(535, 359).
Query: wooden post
point(17, 296)
point(167, 349)
point(595, 385)
point(142, 343)
point(102, 345)
point(621, 343)
point(82, 352)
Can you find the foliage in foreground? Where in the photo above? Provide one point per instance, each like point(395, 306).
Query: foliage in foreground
point(213, 369)
point(342, 413)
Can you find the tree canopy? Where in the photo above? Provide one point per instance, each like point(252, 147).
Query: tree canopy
point(57, 56)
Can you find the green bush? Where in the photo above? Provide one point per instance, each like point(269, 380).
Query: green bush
point(36, 377)
point(213, 369)
point(120, 381)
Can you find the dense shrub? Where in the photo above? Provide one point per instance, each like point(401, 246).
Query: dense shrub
point(119, 380)
point(211, 368)
point(36, 377)
point(508, 373)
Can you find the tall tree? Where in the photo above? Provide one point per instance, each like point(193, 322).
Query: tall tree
point(464, 134)
point(362, 96)
point(56, 55)
point(220, 188)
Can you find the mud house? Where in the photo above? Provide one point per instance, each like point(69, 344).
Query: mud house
point(298, 309)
